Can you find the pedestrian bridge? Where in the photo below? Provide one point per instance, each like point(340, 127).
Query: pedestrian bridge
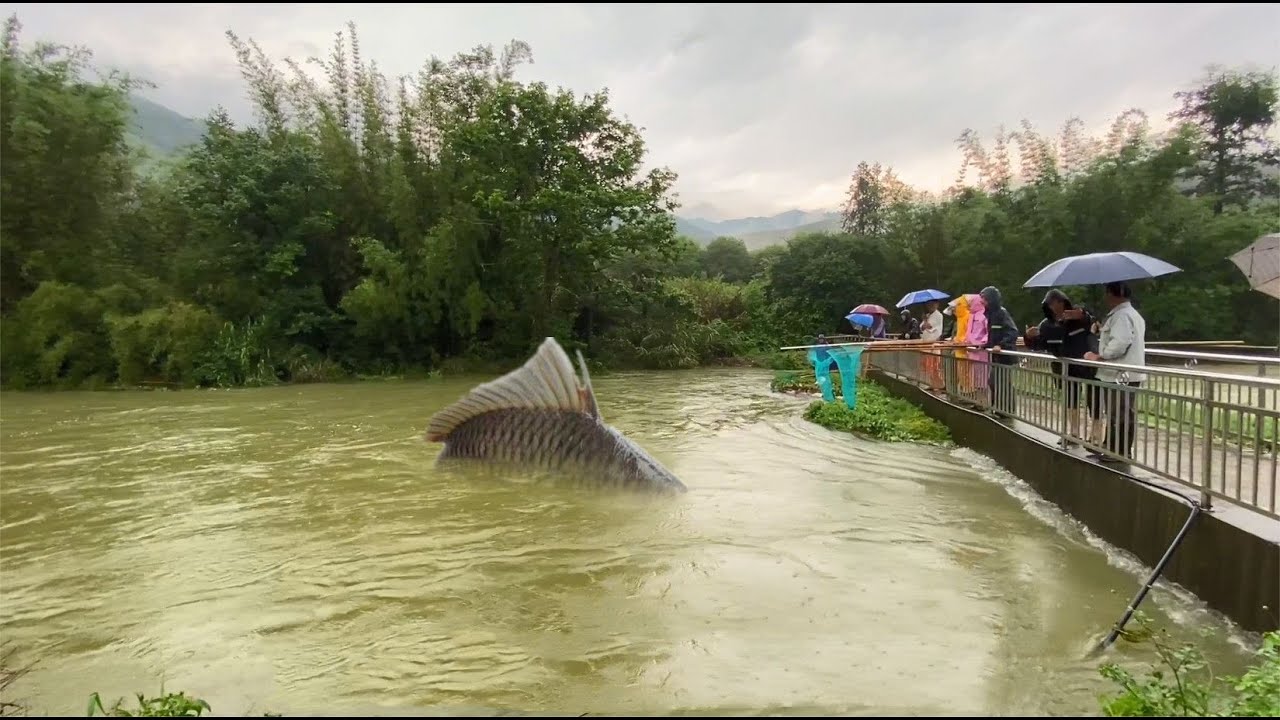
point(1204, 440)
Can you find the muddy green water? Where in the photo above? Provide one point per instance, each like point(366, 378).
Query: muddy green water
point(292, 550)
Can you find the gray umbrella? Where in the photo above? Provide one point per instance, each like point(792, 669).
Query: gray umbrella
point(1260, 263)
point(1100, 269)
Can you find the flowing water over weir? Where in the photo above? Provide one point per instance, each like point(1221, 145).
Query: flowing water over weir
point(292, 550)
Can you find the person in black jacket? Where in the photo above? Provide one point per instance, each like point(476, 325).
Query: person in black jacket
point(1067, 332)
point(1002, 334)
point(911, 326)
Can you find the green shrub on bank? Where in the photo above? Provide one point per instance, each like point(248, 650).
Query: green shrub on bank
point(880, 415)
point(1183, 684)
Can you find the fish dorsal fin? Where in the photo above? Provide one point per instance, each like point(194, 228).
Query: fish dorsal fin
point(588, 393)
point(545, 382)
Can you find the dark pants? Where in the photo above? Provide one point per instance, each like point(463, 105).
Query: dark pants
point(1076, 386)
point(1121, 418)
point(1000, 380)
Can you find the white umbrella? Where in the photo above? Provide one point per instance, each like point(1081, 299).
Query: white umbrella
point(1260, 263)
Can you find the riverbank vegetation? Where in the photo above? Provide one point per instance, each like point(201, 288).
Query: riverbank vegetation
point(177, 704)
point(876, 414)
point(366, 225)
point(801, 382)
point(1184, 685)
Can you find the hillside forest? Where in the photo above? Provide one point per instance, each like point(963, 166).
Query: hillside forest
point(367, 225)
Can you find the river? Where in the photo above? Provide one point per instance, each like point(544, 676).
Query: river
point(292, 550)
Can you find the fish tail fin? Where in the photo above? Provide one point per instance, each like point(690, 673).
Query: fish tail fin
point(545, 382)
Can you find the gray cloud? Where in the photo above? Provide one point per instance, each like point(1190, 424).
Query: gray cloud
point(759, 108)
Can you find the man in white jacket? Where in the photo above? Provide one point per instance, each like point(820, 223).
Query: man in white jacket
point(1123, 341)
point(931, 328)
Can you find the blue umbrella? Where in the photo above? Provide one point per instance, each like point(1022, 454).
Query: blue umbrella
point(862, 319)
point(921, 296)
point(1100, 269)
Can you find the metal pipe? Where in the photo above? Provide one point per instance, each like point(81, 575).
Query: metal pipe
point(1155, 575)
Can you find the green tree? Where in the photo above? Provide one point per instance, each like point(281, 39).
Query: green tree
point(727, 258)
point(874, 192)
point(65, 178)
point(1233, 111)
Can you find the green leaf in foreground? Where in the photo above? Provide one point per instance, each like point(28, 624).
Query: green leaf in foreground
point(1183, 684)
point(163, 705)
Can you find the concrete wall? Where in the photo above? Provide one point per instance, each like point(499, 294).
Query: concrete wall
point(1230, 569)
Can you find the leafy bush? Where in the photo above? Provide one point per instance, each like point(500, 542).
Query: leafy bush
point(239, 355)
point(1184, 684)
point(879, 415)
point(57, 337)
point(162, 343)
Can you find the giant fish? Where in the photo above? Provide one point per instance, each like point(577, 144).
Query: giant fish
point(541, 416)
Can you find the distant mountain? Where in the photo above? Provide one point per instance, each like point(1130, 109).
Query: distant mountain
point(758, 232)
point(161, 131)
point(765, 238)
point(697, 230)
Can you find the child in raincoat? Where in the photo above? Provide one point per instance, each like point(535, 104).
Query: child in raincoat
point(962, 338)
point(977, 335)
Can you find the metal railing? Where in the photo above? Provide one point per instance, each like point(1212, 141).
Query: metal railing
point(1230, 363)
point(1213, 432)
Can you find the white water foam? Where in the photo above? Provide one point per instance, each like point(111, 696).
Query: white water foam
point(1181, 605)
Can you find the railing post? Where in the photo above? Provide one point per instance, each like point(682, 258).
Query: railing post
point(1262, 391)
point(1065, 428)
point(1206, 452)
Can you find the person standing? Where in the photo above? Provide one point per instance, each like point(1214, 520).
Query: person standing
point(878, 328)
point(1067, 332)
point(1123, 340)
point(1002, 334)
point(931, 329)
point(911, 326)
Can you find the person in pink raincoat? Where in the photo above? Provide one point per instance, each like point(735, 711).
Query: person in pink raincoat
point(977, 336)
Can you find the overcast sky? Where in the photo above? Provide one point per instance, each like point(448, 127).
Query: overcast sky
point(759, 108)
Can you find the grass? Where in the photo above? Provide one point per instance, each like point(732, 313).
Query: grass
point(8, 676)
point(163, 705)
